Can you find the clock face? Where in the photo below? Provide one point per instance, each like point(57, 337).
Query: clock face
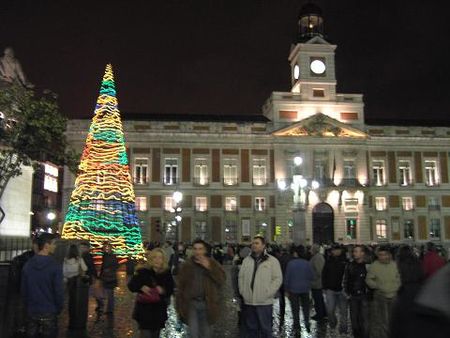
point(318, 67)
point(296, 72)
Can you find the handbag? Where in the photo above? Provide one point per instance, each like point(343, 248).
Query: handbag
point(151, 298)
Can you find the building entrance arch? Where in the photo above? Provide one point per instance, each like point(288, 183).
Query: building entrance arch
point(323, 223)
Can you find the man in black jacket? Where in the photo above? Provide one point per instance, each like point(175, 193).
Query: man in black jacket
point(332, 275)
point(355, 287)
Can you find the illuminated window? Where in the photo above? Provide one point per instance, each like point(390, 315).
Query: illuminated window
point(435, 228)
point(381, 228)
point(259, 171)
point(170, 171)
point(380, 203)
point(51, 177)
point(378, 173)
point(405, 173)
point(140, 171)
point(407, 203)
point(141, 203)
point(431, 173)
point(230, 172)
point(201, 171)
point(230, 203)
point(260, 203)
point(201, 203)
point(169, 203)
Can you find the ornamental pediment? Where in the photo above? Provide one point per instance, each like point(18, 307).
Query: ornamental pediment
point(320, 125)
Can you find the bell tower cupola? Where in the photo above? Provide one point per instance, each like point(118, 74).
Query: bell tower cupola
point(310, 22)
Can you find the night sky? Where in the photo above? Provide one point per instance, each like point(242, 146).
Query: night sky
point(227, 56)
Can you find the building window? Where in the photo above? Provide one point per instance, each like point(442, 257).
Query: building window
point(201, 230)
point(405, 173)
point(141, 203)
point(51, 177)
point(435, 228)
point(431, 173)
point(378, 173)
point(318, 92)
point(381, 228)
point(259, 171)
point(319, 166)
point(170, 171)
point(260, 203)
point(140, 171)
point(230, 231)
point(201, 203)
point(408, 229)
point(351, 205)
point(407, 203)
point(262, 228)
point(433, 203)
point(230, 203)
point(351, 228)
point(380, 203)
point(201, 171)
point(169, 203)
point(349, 169)
point(230, 172)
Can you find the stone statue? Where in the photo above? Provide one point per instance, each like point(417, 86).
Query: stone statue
point(11, 70)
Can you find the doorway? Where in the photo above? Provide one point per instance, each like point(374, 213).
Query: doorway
point(323, 224)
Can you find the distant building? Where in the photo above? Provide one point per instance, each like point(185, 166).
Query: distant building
point(357, 182)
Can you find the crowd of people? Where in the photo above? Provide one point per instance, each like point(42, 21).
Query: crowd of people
point(383, 291)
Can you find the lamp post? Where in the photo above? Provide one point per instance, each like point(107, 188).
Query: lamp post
point(51, 216)
point(301, 188)
point(177, 198)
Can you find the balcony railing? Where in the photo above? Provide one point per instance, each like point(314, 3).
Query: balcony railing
point(434, 207)
point(259, 181)
point(350, 182)
point(230, 181)
point(170, 180)
point(201, 181)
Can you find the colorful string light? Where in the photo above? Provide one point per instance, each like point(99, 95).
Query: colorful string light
point(102, 203)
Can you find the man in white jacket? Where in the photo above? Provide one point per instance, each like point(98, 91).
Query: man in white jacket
point(260, 278)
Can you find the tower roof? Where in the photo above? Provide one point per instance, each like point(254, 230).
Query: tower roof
point(310, 9)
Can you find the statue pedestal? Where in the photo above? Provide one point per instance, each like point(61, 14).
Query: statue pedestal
point(299, 229)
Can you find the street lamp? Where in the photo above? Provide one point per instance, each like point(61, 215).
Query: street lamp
point(177, 198)
point(301, 187)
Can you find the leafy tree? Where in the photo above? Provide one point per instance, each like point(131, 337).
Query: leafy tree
point(31, 130)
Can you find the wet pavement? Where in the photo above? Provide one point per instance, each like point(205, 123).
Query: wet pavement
point(121, 325)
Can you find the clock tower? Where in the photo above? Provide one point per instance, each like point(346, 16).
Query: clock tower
point(312, 58)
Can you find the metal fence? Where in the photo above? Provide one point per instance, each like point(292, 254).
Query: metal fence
point(11, 247)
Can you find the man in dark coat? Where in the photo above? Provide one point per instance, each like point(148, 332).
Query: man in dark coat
point(108, 277)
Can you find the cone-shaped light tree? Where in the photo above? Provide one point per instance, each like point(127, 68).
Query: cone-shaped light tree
point(102, 203)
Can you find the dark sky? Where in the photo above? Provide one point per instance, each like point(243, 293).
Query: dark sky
point(227, 56)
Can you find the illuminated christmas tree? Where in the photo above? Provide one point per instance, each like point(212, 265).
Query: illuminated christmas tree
point(102, 203)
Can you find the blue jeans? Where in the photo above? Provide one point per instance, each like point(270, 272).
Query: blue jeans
point(258, 320)
point(336, 298)
point(198, 320)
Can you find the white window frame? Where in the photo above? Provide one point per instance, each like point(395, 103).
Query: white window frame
point(259, 171)
point(140, 170)
point(409, 222)
point(380, 203)
point(231, 231)
point(404, 167)
point(230, 203)
point(381, 229)
point(378, 172)
point(407, 203)
point(201, 175)
point(201, 230)
point(230, 172)
point(349, 173)
point(169, 203)
point(141, 203)
point(201, 203)
point(171, 171)
point(431, 173)
point(351, 205)
point(260, 203)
